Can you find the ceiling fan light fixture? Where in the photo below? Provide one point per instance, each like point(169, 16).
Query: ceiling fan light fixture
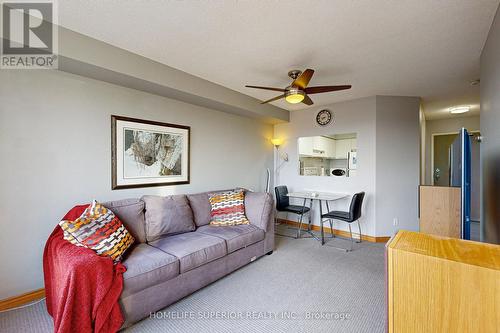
point(459, 109)
point(294, 96)
point(298, 91)
point(294, 99)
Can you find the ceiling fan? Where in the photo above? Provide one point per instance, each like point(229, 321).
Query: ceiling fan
point(298, 91)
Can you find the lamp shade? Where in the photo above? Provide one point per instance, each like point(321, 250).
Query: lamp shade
point(295, 98)
point(294, 95)
point(277, 142)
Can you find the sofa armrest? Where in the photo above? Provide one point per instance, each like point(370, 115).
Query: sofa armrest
point(259, 209)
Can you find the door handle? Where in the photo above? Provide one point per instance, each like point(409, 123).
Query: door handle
point(437, 174)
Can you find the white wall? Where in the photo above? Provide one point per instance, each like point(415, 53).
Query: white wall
point(356, 116)
point(55, 150)
point(388, 159)
point(441, 126)
point(83, 55)
point(490, 130)
point(398, 163)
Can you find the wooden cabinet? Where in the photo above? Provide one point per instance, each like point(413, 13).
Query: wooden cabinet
point(440, 210)
point(439, 284)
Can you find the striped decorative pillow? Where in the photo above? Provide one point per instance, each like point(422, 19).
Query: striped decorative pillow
point(228, 208)
point(100, 230)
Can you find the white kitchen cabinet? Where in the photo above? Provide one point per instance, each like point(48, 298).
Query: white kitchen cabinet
point(306, 146)
point(354, 144)
point(323, 147)
point(317, 146)
point(342, 148)
point(330, 148)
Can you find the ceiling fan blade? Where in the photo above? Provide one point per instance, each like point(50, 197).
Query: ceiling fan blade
point(323, 89)
point(267, 88)
point(274, 99)
point(303, 80)
point(307, 100)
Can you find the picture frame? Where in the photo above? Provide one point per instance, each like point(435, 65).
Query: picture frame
point(148, 153)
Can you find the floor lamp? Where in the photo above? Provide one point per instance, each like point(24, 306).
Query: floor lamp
point(277, 143)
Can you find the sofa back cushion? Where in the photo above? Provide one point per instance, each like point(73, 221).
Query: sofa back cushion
point(167, 215)
point(131, 213)
point(200, 205)
point(259, 209)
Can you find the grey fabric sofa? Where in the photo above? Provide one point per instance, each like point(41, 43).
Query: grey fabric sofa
point(166, 264)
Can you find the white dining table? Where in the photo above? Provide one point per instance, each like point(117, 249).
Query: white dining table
point(320, 196)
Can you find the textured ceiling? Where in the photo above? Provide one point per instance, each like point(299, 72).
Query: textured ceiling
point(424, 48)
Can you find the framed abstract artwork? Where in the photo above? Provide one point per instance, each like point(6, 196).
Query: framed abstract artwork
point(148, 153)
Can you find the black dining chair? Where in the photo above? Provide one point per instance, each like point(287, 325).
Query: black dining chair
point(283, 205)
point(351, 216)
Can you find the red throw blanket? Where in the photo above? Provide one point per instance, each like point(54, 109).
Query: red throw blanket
point(82, 288)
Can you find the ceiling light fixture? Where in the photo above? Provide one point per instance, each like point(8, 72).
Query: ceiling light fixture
point(298, 91)
point(294, 95)
point(459, 109)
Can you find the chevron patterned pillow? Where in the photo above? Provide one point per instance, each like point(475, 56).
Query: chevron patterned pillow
point(228, 208)
point(100, 230)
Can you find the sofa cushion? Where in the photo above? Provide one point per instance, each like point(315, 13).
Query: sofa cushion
point(146, 267)
point(201, 208)
point(259, 209)
point(131, 213)
point(167, 215)
point(192, 248)
point(236, 237)
point(100, 230)
point(228, 208)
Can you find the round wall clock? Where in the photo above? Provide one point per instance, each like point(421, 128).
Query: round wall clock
point(324, 117)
